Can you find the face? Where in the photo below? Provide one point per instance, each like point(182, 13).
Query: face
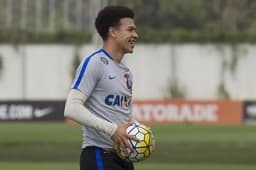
point(126, 35)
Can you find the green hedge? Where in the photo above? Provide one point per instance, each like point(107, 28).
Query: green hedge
point(17, 36)
point(180, 36)
point(147, 35)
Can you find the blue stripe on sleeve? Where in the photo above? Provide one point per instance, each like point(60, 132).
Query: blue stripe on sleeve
point(82, 71)
point(99, 159)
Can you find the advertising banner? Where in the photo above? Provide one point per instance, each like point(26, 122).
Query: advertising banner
point(32, 110)
point(250, 112)
point(186, 111)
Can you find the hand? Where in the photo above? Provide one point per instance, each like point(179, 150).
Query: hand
point(120, 138)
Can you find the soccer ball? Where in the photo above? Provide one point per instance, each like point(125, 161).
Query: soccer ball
point(144, 148)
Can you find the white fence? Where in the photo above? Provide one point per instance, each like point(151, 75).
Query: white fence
point(44, 71)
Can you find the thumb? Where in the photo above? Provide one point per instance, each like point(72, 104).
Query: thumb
point(128, 124)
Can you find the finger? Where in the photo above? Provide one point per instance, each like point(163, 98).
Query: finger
point(133, 138)
point(123, 148)
point(129, 147)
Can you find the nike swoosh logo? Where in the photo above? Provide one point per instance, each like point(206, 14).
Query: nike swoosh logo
point(111, 77)
point(42, 112)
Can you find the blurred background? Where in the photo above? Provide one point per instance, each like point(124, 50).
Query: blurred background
point(194, 82)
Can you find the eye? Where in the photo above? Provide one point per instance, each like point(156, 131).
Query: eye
point(131, 29)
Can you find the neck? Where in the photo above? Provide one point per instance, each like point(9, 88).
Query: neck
point(114, 52)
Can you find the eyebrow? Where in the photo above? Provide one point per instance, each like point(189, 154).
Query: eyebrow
point(132, 26)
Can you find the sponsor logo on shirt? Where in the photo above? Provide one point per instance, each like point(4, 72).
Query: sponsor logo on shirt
point(118, 100)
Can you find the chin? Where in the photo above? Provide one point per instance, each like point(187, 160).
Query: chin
point(128, 51)
point(131, 51)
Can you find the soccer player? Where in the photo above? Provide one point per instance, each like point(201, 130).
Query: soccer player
point(101, 94)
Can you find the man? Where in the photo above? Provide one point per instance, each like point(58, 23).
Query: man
point(101, 94)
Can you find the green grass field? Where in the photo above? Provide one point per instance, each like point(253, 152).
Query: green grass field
point(53, 146)
point(139, 166)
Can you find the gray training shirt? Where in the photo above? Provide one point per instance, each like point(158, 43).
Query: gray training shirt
point(108, 85)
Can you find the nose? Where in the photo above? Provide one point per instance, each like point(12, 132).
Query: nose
point(135, 34)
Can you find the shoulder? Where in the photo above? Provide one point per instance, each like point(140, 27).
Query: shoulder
point(97, 58)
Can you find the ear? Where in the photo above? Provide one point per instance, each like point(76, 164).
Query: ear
point(112, 32)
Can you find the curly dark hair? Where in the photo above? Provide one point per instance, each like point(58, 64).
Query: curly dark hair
point(110, 16)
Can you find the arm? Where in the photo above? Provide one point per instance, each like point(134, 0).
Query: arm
point(75, 110)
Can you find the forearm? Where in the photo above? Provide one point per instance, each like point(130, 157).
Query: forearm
point(75, 110)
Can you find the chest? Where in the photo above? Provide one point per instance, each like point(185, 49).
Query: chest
point(116, 80)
